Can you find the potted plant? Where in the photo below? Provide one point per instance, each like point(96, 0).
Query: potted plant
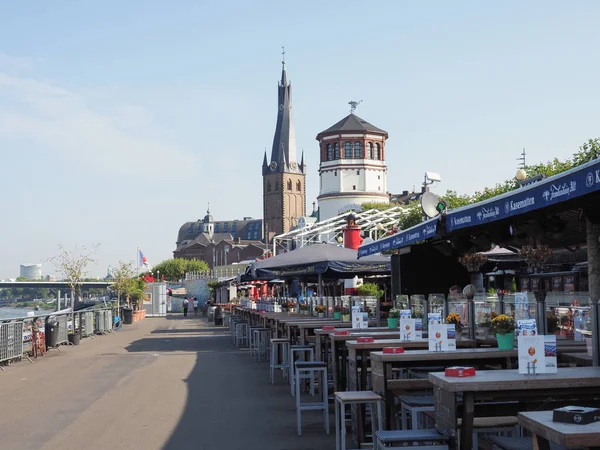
point(487, 323)
point(345, 314)
point(303, 308)
point(291, 306)
point(320, 310)
point(503, 327)
point(454, 319)
point(393, 316)
point(337, 312)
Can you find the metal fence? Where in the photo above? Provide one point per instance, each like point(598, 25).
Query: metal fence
point(11, 340)
point(87, 323)
point(63, 321)
point(103, 321)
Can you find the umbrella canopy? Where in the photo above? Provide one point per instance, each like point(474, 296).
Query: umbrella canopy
point(329, 260)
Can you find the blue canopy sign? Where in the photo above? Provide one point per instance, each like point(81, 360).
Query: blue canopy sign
point(403, 238)
point(573, 183)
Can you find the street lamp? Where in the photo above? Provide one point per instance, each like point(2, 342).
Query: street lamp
point(521, 175)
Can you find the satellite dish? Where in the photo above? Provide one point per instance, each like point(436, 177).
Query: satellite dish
point(431, 205)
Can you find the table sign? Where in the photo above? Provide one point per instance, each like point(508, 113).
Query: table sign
point(359, 319)
point(253, 306)
point(405, 314)
point(328, 328)
point(408, 330)
point(551, 353)
point(438, 338)
point(451, 335)
point(277, 308)
point(521, 306)
point(434, 318)
point(537, 354)
point(526, 327)
point(365, 339)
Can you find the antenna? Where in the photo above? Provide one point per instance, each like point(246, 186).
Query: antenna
point(522, 165)
point(431, 205)
point(353, 104)
point(283, 55)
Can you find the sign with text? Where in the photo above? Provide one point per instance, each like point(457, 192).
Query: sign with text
point(438, 338)
point(526, 327)
point(537, 354)
point(408, 330)
point(359, 319)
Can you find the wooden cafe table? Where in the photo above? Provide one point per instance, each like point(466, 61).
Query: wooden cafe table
point(358, 356)
point(383, 363)
point(571, 383)
point(323, 337)
point(581, 359)
point(567, 435)
point(303, 328)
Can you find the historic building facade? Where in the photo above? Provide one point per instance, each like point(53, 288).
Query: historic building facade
point(352, 167)
point(220, 243)
point(284, 178)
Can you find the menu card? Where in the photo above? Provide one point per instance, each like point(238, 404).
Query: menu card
point(537, 354)
point(359, 319)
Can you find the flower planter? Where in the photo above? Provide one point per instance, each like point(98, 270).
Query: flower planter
point(505, 341)
point(392, 322)
point(345, 317)
point(337, 314)
point(74, 338)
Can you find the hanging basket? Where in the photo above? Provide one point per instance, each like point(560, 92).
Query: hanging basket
point(473, 261)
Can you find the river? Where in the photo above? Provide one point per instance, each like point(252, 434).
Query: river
point(9, 313)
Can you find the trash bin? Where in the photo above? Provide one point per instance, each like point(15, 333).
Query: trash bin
point(51, 333)
point(211, 313)
point(128, 316)
point(218, 315)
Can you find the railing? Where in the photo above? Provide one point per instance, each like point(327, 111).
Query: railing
point(11, 340)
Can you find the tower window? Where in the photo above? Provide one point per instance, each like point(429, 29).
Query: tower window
point(298, 186)
point(276, 186)
point(370, 150)
point(357, 150)
point(354, 187)
point(269, 186)
point(377, 151)
point(348, 150)
point(329, 152)
point(336, 151)
point(379, 177)
point(335, 173)
point(289, 185)
point(358, 172)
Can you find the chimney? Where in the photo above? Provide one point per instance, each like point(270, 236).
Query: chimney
point(404, 192)
point(236, 240)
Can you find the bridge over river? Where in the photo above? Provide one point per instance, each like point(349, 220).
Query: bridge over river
point(165, 383)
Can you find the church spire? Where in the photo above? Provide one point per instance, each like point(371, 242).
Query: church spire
point(283, 151)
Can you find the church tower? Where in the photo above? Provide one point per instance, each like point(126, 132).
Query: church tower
point(284, 190)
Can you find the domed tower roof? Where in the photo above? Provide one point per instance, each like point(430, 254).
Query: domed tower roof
point(352, 123)
point(208, 218)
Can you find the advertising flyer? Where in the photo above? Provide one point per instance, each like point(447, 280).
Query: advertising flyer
point(451, 336)
point(359, 319)
point(434, 319)
point(438, 338)
point(537, 354)
point(408, 330)
point(419, 328)
point(551, 353)
point(526, 327)
point(405, 314)
point(521, 306)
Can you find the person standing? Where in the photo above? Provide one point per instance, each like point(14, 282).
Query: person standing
point(185, 307)
point(195, 303)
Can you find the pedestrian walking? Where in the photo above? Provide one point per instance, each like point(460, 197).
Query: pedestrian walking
point(185, 307)
point(195, 303)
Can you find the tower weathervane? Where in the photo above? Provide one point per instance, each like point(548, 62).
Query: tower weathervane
point(353, 104)
point(283, 55)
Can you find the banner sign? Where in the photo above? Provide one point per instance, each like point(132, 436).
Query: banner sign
point(571, 184)
point(403, 238)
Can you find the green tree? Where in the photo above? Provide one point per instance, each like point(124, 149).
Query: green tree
point(369, 290)
point(122, 279)
point(173, 269)
point(380, 206)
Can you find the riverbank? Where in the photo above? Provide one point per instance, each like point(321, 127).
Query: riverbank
point(9, 312)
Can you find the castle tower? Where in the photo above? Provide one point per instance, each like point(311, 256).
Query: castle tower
point(352, 170)
point(284, 190)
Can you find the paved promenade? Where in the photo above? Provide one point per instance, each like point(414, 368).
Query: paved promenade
point(169, 383)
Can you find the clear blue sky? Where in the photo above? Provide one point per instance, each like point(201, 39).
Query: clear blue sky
point(119, 120)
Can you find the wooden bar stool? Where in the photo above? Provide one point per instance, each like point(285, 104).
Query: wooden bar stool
point(280, 349)
point(355, 397)
point(412, 439)
point(308, 370)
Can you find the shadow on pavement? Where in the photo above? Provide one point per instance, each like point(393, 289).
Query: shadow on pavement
point(230, 403)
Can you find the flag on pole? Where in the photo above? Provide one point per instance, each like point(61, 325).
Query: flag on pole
point(142, 260)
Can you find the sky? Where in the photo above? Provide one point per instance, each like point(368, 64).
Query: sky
point(120, 121)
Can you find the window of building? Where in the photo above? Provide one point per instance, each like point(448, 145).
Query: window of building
point(329, 152)
point(268, 186)
point(358, 172)
point(225, 227)
point(276, 186)
point(298, 186)
point(354, 187)
point(256, 234)
point(217, 227)
point(377, 151)
point(234, 229)
point(357, 150)
point(379, 177)
point(348, 150)
point(289, 185)
point(336, 151)
point(335, 173)
point(370, 150)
